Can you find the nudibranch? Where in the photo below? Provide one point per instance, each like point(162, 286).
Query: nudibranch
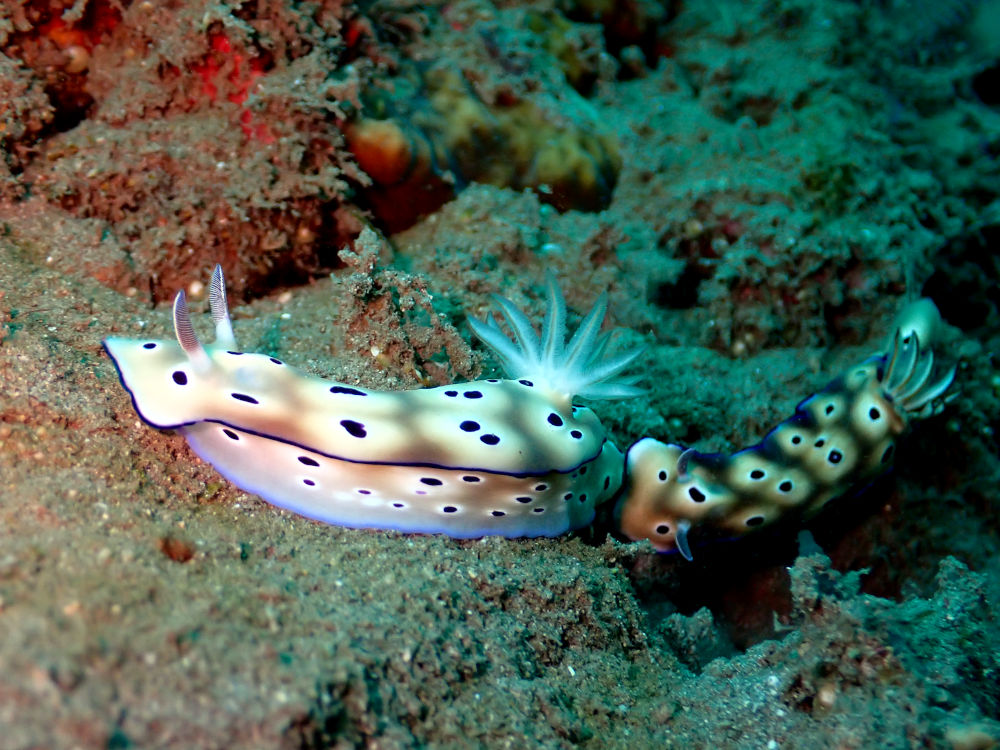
point(513, 457)
point(839, 438)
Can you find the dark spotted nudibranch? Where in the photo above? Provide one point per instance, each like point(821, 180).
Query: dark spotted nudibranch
point(506, 457)
point(839, 438)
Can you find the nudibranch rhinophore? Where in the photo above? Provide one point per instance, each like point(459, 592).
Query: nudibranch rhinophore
point(839, 438)
point(513, 457)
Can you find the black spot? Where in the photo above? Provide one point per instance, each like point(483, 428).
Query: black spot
point(230, 434)
point(575, 434)
point(469, 426)
point(523, 499)
point(662, 529)
point(755, 521)
point(662, 476)
point(354, 429)
point(276, 361)
point(874, 414)
point(607, 482)
point(308, 483)
point(492, 380)
point(498, 513)
point(245, 397)
point(347, 391)
point(820, 443)
point(470, 478)
point(450, 509)
point(538, 510)
point(397, 505)
point(179, 377)
point(796, 439)
point(472, 394)
point(451, 394)
point(829, 409)
point(150, 345)
point(697, 495)
point(583, 498)
point(526, 382)
point(785, 486)
point(583, 470)
point(555, 420)
point(887, 456)
point(431, 481)
point(835, 457)
point(308, 461)
point(756, 474)
point(364, 492)
point(489, 439)
point(541, 487)
point(235, 354)
point(568, 496)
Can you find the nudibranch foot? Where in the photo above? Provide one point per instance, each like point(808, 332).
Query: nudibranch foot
point(513, 457)
point(842, 437)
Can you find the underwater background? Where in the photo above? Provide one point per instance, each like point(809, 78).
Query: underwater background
point(759, 187)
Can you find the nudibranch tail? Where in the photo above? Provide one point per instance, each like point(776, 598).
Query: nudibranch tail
point(579, 368)
point(506, 457)
point(841, 437)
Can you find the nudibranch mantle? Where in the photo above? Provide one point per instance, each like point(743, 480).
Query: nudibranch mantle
point(838, 438)
point(506, 457)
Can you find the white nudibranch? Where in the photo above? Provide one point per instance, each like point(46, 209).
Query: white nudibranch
point(839, 438)
point(513, 458)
